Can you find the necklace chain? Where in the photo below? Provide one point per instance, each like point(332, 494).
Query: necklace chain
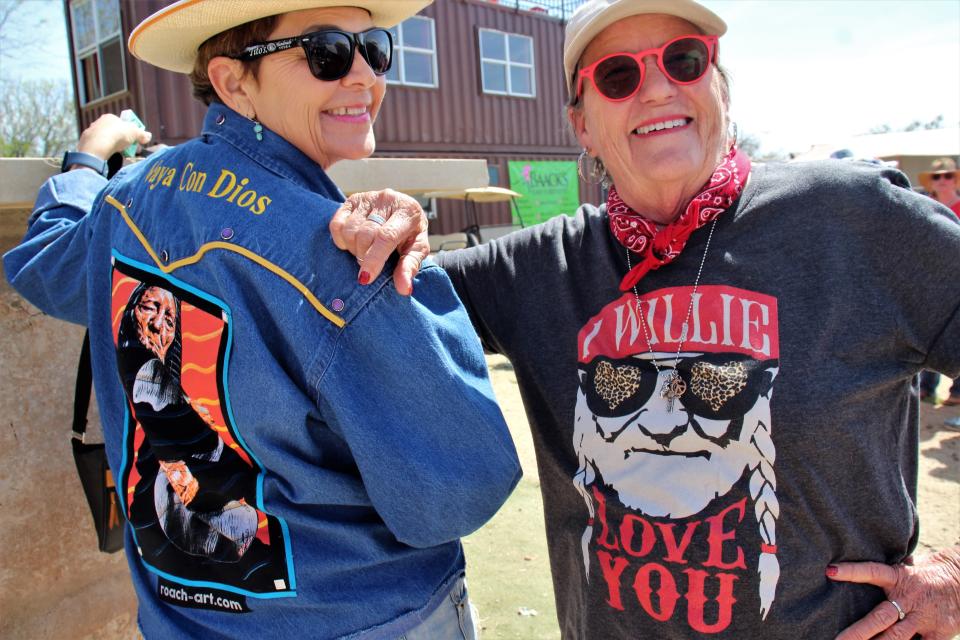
point(674, 386)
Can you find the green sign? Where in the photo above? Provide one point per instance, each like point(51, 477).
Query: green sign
point(549, 188)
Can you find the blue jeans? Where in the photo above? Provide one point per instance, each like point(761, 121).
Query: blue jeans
point(452, 620)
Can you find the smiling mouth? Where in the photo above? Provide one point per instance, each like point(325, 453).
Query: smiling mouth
point(661, 126)
point(347, 111)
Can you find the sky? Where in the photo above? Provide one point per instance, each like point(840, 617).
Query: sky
point(804, 71)
point(813, 71)
point(47, 54)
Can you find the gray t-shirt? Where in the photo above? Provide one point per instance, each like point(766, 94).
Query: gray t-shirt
point(826, 288)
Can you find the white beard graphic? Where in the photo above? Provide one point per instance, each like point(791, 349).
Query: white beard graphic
point(662, 462)
point(672, 458)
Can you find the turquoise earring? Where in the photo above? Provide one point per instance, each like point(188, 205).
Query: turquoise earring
point(257, 128)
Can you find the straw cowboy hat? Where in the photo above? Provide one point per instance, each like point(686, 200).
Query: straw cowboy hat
point(169, 39)
point(940, 165)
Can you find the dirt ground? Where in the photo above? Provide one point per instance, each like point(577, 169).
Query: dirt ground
point(507, 564)
point(939, 494)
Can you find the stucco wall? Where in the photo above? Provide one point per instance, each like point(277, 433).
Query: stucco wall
point(54, 584)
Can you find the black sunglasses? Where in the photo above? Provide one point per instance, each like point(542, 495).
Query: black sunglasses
point(948, 175)
point(330, 52)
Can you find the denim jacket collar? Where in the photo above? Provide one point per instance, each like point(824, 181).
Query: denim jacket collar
point(272, 152)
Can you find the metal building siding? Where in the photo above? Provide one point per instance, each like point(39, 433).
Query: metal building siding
point(458, 113)
point(456, 119)
point(165, 100)
point(162, 99)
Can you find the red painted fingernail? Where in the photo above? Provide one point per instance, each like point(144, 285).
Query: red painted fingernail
point(364, 277)
point(832, 570)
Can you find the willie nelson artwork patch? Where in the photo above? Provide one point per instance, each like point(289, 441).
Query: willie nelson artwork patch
point(191, 486)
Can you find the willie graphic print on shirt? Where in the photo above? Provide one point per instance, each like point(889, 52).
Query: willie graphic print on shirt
point(190, 484)
point(680, 494)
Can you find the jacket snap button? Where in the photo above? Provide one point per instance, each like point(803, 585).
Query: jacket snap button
point(337, 305)
point(163, 256)
point(226, 234)
point(221, 119)
point(129, 203)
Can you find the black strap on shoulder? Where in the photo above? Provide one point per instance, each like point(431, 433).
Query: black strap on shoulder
point(81, 396)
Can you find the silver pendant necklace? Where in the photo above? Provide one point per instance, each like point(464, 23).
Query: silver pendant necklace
point(674, 386)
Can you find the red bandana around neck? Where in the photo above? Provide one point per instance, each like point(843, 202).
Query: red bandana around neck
point(657, 248)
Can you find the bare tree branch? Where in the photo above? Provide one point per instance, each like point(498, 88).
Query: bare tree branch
point(9, 37)
point(19, 26)
point(37, 118)
point(7, 9)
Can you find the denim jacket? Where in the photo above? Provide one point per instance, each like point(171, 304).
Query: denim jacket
point(296, 455)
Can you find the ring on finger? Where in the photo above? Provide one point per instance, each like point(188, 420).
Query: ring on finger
point(418, 259)
point(901, 614)
point(376, 218)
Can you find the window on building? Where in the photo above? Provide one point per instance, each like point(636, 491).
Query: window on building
point(506, 64)
point(414, 53)
point(98, 48)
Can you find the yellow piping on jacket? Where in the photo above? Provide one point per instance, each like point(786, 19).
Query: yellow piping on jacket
point(226, 246)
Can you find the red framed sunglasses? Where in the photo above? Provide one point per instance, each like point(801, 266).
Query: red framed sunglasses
point(618, 76)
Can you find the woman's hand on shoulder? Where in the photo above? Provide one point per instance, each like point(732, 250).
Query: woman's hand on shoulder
point(373, 224)
point(927, 592)
point(108, 135)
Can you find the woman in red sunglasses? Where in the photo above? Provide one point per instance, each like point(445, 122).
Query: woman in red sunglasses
point(270, 489)
point(717, 364)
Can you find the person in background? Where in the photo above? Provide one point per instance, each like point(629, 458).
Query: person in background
point(940, 183)
point(282, 474)
point(717, 364)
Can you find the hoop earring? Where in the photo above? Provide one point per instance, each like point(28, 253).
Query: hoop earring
point(597, 174)
point(580, 160)
point(734, 133)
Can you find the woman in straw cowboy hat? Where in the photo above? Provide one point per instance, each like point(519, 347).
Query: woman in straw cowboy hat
point(717, 364)
point(272, 455)
point(941, 183)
